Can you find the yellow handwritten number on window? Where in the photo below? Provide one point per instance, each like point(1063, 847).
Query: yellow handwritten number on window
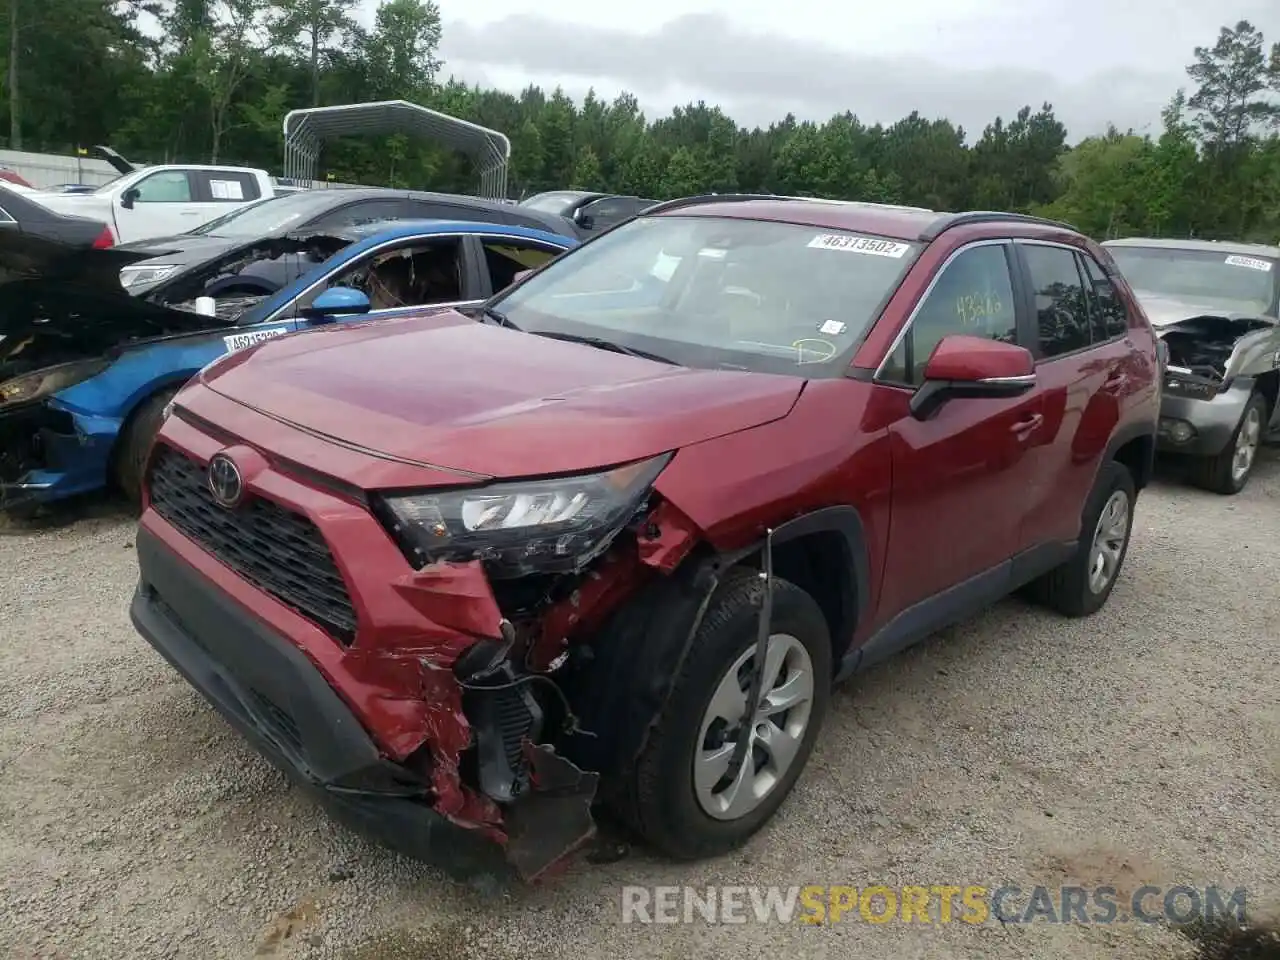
point(978, 309)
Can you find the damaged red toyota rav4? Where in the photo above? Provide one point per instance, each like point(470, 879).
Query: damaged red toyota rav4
point(608, 543)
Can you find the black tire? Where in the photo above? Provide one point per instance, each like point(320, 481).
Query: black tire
point(1066, 588)
point(1215, 473)
point(134, 443)
point(657, 796)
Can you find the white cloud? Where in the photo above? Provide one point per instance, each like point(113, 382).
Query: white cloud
point(1097, 61)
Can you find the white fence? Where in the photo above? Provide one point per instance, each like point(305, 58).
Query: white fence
point(43, 170)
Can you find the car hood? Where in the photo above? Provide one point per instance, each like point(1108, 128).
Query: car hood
point(182, 248)
point(60, 302)
point(1164, 311)
point(446, 391)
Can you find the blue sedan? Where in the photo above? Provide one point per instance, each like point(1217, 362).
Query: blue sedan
point(86, 370)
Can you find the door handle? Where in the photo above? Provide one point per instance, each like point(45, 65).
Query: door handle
point(1024, 427)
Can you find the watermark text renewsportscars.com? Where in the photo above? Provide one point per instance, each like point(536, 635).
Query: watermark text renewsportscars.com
point(932, 904)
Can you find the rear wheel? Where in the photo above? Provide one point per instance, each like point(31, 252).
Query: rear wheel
point(1082, 584)
point(134, 443)
point(1229, 471)
point(682, 796)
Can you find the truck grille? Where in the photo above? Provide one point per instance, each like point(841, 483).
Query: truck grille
point(278, 551)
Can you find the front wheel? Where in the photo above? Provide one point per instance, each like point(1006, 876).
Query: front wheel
point(134, 443)
point(1229, 471)
point(683, 796)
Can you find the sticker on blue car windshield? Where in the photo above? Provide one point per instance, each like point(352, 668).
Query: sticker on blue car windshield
point(238, 341)
point(871, 245)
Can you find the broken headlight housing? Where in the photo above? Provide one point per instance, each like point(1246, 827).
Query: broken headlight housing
point(552, 525)
point(51, 380)
point(140, 275)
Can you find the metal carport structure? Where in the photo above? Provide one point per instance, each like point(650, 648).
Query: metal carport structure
point(307, 130)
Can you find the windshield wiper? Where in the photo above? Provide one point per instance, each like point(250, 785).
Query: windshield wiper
point(498, 317)
point(604, 344)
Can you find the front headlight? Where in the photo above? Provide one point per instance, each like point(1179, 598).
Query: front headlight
point(557, 525)
point(138, 276)
point(51, 380)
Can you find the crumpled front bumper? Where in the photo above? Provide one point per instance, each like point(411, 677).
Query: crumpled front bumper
point(49, 454)
point(272, 693)
point(1201, 427)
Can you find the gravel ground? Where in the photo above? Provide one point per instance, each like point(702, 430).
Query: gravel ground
point(1141, 745)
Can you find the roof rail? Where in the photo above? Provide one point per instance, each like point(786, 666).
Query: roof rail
point(950, 220)
point(682, 202)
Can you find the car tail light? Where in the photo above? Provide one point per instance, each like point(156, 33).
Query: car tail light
point(105, 239)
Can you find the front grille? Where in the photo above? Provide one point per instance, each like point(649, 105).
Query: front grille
point(277, 550)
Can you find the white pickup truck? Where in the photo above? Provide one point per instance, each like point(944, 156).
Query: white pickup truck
point(164, 200)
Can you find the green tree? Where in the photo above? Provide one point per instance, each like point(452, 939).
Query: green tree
point(308, 27)
point(586, 171)
point(1231, 77)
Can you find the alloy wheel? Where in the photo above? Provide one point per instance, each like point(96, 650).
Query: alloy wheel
point(774, 729)
point(1109, 537)
point(1246, 444)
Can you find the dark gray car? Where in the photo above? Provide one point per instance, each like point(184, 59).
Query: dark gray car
point(590, 212)
point(314, 211)
point(1215, 307)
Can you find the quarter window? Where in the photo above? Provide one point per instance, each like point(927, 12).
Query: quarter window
point(973, 295)
point(1061, 305)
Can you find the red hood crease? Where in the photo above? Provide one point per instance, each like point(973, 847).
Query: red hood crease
point(451, 392)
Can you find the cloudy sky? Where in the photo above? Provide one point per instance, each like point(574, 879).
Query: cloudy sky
point(1096, 61)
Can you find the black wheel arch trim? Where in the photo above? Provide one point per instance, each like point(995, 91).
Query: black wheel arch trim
point(620, 682)
point(847, 522)
point(1125, 435)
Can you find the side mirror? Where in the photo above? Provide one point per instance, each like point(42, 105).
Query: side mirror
point(337, 302)
point(584, 219)
point(129, 197)
point(974, 367)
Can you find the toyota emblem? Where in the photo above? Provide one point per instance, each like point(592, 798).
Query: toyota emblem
point(225, 482)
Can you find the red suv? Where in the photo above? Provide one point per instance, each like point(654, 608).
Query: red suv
point(612, 538)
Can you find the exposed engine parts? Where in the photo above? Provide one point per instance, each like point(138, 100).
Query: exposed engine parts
point(226, 309)
point(1204, 346)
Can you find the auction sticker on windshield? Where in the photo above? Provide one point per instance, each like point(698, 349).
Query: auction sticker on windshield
point(1253, 263)
point(871, 245)
point(238, 341)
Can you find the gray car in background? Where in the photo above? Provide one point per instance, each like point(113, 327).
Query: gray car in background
point(1215, 306)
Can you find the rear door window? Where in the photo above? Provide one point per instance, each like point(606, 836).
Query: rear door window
point(226, 186)
point(365, 211)
point(1114, 319)
point(1061, 304)
point(504, 258)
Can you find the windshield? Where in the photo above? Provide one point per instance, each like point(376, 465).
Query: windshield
point(1242, 284)
point(551, 202)
point(719, 293)
point(262, 217)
